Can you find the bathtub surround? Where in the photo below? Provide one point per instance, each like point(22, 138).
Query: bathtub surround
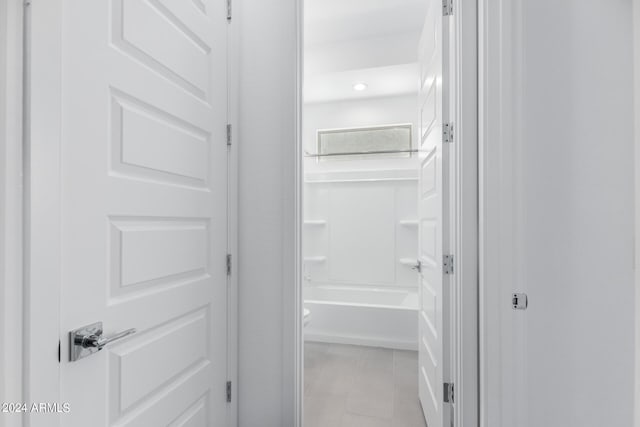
point(360, 245)
point(360, 230)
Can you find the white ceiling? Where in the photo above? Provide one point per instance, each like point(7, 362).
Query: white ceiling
point(374, 41)
point(382, 81)
point(337, 20)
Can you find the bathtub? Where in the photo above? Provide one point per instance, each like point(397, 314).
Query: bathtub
point(376, 317)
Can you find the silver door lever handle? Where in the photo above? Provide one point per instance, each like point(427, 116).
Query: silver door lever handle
point(87, 340)
point(97, 341)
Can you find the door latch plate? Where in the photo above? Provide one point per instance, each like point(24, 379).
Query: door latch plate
point(447, 394)
point(519, 301)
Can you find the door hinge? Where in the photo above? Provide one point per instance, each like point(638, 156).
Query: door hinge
point(229, 130)
point(447, 264)
point(447, 7)
point(447, 393)
point(228, 264)
point(228, 10)
point(229, 391)
point(519, 301)
point(447, 132)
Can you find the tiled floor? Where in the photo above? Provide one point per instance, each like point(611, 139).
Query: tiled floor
point(353, 386)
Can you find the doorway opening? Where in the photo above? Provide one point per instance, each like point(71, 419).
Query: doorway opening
point(360, 215)
point(383, 257)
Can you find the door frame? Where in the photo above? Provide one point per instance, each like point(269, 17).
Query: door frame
point(464, 309)
point(499, 91)
point(30, 276)
point(233, 113)
point(462, 364)
point(636, 50)
point(11, 327)
point(293, 303)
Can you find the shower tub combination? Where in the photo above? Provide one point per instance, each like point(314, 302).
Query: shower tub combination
point(379, 317)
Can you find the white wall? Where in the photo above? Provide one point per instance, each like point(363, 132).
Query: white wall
point(573, 192)
point(558, 224)
point(267, 150)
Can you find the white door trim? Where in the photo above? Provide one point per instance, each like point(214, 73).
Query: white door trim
point(233, 73)
point(11, 48)
point(464, 215)
point(636, 39)
point(498, 112)
point(293, 381)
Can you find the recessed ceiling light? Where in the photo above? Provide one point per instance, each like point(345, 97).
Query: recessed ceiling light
point(360, 86)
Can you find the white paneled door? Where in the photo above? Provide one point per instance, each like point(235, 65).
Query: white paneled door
point(143, 207)
point(432, 208)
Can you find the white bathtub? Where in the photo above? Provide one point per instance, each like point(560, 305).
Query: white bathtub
point(361, 315)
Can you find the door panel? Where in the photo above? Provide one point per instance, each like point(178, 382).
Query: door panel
point(144, 210)
point(432, 219)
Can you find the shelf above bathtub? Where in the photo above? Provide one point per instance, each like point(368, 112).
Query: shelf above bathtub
point(315, 222)
point(409, 223)
point(315, 259)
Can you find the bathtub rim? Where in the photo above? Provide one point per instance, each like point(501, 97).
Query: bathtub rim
point(332, 334)
point(364, 288)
